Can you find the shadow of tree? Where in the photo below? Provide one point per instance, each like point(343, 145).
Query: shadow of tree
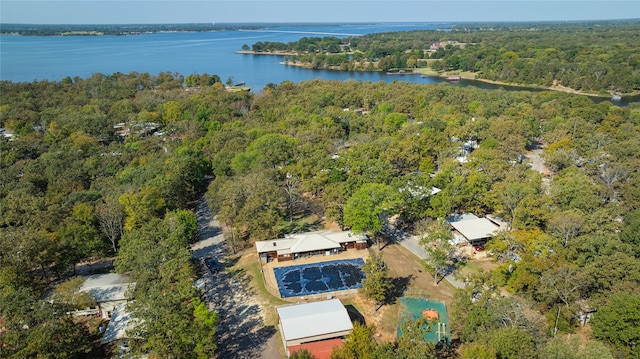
point(298, 226)
point(246, 339)
point(398, 286)
point(355, 315)
point(241, 279)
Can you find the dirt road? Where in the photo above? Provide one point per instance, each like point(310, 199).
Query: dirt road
point(241, 329)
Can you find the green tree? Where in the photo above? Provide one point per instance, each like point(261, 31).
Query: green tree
point(364, 210)
point(141, 206)
point(226, 198)
point(37, 328)
point(511, 343)
point(301, 354)
point(631, 231)
point(205, 330)
point(359, 344)
point(437, 243)
point(515, 194)
point(274, 150)
point(562, 347)
point(68, 294)
point(172, 112)
point(618, 323)
point(377, 283)
point(80, 238)
point(171, 321)
point(394, 121)
point(573, 189)
point(478, 350)
point(412, 344)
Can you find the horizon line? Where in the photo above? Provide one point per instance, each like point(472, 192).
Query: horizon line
point(322, 22)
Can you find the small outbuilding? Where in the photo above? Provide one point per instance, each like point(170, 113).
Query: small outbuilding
point(317, 327)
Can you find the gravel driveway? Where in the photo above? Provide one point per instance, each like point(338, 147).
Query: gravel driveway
point(241, 330)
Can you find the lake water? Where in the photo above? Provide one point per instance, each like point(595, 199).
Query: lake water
point(52, 58)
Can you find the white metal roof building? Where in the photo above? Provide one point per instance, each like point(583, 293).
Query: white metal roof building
point(312, 322)
point(311, 242)
point(476, 229)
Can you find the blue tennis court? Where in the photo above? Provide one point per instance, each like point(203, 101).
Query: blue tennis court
point(308, 279)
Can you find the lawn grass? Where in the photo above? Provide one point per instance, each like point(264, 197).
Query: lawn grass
point(389, 321)
point(470, 267)
point(468, 75)
point(427, 71)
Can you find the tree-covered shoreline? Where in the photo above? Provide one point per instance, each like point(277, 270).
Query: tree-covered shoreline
point(598, 57)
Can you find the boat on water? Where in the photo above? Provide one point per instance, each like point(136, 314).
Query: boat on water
point(615, 97)
point(453, 78)
point(401, 72)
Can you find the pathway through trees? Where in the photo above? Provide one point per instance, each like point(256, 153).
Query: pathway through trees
point(241, 329)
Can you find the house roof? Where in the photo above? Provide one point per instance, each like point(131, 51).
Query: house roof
point(274, 245)
point(345, 237)
point(121, 321)
point(313, 319)
point(474, 229)
point(457, 217)
point(107, 287)
point(308, 242)
point(320, 349)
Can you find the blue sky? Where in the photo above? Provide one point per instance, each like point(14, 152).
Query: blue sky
point(202, 11)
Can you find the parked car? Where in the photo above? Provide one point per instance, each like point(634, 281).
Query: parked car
point(213, 265)
point(479, 247)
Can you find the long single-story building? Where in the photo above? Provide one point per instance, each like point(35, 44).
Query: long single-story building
point(317, 327)
point(472, 229)
point(306, 244)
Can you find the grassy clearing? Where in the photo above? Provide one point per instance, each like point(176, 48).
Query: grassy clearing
point(389, 322)
point(427, 71)
point(464, 74)
point(477, 266)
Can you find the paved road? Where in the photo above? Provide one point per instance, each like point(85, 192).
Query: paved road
point(241, 329)
point(412, 243)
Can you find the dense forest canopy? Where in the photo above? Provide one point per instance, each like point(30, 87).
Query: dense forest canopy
point(110, 166)
point(595, 57)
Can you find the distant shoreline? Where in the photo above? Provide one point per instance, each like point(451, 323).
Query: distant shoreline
point(558, 88)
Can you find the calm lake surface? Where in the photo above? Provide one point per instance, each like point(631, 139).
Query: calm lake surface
point(24, 58)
